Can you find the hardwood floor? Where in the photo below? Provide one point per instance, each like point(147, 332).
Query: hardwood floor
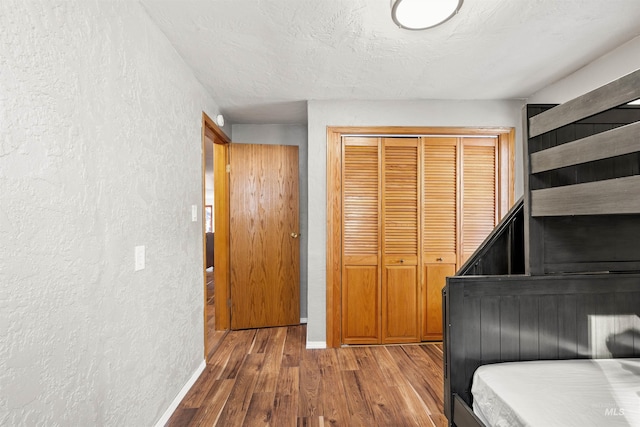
point(266, 377)
point(213, 337)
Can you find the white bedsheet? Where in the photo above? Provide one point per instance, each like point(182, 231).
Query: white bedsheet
point(563, 393)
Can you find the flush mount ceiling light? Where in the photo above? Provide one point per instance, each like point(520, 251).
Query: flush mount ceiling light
point(423, 14)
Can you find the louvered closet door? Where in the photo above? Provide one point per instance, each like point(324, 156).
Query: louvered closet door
point(360, 241)
point(479, 190)
point(439, 227)
point(400, 219)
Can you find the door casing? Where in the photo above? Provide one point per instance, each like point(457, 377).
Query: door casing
point(221, 218)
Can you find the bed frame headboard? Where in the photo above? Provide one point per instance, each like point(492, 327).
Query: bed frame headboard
point(581, 215)
point(518, 318)
point(582, 182)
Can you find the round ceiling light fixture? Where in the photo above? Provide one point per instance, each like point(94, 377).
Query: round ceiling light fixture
point(220, 120)
point(423, 14)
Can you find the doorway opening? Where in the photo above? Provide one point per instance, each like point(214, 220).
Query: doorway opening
point(215, 234)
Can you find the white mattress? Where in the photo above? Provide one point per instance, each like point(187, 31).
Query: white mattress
point(563, 393)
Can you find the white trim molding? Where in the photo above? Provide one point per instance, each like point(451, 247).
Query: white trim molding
point(183, 392)
point(316, 344)
point(303, 320)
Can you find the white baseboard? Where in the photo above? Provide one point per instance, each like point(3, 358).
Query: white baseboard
point(183, 392)
point(316, 344)
point(303, 320)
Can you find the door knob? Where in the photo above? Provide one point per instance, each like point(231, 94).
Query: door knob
point(294, 235)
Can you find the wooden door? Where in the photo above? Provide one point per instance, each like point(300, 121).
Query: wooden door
point(439, 227)
point(264, 226)
point(400, 240)
point(479, 188)
point(360, 241)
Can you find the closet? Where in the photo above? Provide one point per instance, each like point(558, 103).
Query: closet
point(413, 210)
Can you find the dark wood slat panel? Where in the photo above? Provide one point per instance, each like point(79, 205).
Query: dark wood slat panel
point(490, 328)
point(548, 326)
point(618, 92)
point(591, 267)
point(567, 347)
point(464, 414)
point(613, 196)
point(529, 328)
point(584, 308)
point(636, 324)
point(509, 336)
point(562, 316)
point(454, 333)
point(472, 341)
point(533, 246)
point(622, 140)
point(571, 245)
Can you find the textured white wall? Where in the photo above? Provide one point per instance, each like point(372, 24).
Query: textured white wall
point(615, 64)
point(286, 135)
point(99, 152)
point(367, 113)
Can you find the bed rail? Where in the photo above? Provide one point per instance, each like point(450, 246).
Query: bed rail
point(581, 232)
point(502, 252)
point(583, 161)
point(490, 319)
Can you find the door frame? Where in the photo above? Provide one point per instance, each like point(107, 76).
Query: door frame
point(221, 225)
point(506, 184)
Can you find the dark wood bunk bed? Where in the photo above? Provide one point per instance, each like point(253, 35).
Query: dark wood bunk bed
point(559, 278)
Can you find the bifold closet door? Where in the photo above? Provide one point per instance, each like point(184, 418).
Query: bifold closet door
point(360, 241)
point(400, 242)
point(439, 227)
point(413, 210)
point(479, 190)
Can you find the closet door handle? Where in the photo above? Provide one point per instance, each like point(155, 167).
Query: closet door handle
point(401, 261)
point(438, 259)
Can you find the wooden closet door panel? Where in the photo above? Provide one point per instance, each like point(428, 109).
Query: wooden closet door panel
point(435, 276)
point(400, 196)
point(360, 305)
point(479, 190)
point(439, 205)
point(400, 306)
point(360, 316)
point(439, 227)
point(400, 243)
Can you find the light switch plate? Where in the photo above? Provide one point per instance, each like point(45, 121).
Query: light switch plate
point(139, 257)
point(194, 213)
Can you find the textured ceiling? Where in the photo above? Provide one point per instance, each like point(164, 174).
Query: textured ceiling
point(261, 60)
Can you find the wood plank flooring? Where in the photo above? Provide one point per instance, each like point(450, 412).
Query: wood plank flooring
point(213, 337)
point(266, 377)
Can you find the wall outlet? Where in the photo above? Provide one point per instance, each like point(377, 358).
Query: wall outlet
point(194, 213)
point(139, 257)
